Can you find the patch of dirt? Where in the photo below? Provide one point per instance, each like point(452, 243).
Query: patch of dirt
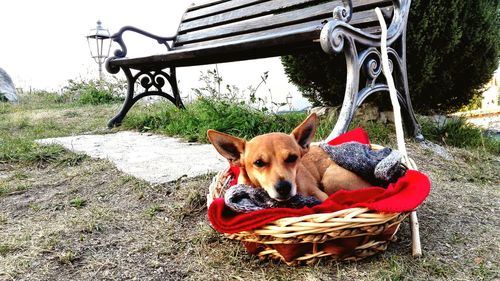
point(91, 222)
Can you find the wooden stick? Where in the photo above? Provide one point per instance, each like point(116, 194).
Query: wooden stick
point(417, 250)
point(415, 235)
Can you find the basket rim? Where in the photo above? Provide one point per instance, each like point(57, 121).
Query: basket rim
point(340, 221)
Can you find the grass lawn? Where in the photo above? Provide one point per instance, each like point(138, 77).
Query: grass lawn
point(64, 216)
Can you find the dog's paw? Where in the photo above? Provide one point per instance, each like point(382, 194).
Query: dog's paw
point(390, 169)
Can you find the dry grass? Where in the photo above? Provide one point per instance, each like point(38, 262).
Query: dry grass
point(129, 229)
point(52, 122)
point(68, 217)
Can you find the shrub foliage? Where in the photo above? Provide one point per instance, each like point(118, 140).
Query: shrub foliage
point(453, 48)
point(94, 92)
point(211, 113)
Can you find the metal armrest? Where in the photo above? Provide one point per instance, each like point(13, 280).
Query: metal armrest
point(335, 32)
point(122, 52)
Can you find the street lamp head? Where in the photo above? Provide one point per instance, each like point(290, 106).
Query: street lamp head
point(289, 100)
point(99, 43)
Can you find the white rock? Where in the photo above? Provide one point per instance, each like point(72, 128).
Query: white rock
point(7, 88)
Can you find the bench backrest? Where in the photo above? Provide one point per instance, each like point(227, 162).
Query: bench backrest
point(223, 21)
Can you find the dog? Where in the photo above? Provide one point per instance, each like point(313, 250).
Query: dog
point(284, 165)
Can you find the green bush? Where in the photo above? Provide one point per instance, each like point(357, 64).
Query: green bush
point(457, 132)
point(93, 92)
point(95, 96)
point(453, 48)
point(320, 77)
point(207, 113)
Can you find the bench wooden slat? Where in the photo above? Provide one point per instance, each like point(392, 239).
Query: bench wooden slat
point(203, 4)
point(361, 19)
point(359, 5)
point(220, 14)
point(310, 25)
point(254, 11)
point(369, 18)
point(218, 8)
point(268, 43)
point(260, 23)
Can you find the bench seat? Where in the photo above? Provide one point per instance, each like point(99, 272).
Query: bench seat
point(244, 48)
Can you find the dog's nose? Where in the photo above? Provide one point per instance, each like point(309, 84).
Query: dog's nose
point(283, 188)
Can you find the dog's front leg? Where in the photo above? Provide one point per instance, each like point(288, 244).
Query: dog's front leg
point(336, 178)
point(319, 194)
point(307, 185)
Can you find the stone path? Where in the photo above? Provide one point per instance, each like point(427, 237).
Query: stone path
point(154, 158)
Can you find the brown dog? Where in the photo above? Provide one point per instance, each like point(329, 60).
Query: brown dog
point(285, 164)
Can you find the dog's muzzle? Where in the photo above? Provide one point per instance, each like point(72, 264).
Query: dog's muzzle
point(283, 188)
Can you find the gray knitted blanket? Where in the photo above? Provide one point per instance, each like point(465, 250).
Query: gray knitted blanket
point(378, 167)
point(243, 199)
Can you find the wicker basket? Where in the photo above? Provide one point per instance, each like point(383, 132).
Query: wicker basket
point(349, 234)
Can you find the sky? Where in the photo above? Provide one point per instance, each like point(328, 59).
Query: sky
point(43, 44)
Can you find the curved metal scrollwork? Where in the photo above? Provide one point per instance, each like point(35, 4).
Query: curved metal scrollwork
point(155, 79)
point(343, 13)
point(370, 61)
point(122, 52)
point(363, 57)
point(336, 31)
point(153, 83)
point(371, 66)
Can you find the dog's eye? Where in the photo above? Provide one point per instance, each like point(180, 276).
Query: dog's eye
point(259, 163)
point(291, 158)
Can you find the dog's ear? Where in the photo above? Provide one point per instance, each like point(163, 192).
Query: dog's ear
point(304, 133)
point(228, 146)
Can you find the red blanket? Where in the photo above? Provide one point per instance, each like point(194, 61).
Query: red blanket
point(404, 195)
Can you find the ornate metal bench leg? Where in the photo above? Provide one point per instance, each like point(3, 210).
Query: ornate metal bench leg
point(411, 122)
point(152, 81)
point(401, 82)
point(127, 104)
point(175, 88)
point(350, 102)
point(364, 65)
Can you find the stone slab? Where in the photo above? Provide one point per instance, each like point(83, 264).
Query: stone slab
point(153, 158)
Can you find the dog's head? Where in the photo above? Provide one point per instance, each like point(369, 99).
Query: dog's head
point(269, 161)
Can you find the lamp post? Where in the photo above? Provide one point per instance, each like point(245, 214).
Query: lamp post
point(99, 45)
point(289, 100)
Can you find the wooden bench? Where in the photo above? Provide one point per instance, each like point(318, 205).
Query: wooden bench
point(233, 30)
